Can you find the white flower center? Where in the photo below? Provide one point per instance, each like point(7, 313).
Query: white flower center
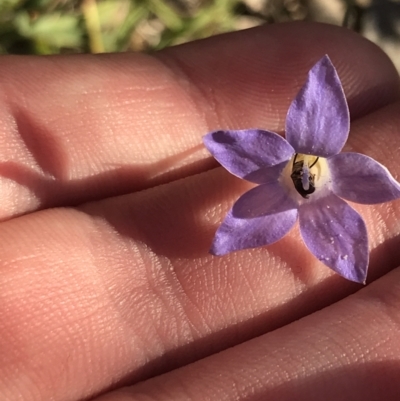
point(307, 175)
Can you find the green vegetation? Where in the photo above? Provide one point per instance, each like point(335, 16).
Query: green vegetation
point(65, 26)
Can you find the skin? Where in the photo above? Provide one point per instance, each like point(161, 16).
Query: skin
point(107, 290)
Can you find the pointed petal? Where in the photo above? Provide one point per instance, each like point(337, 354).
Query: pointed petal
point(245, 152)
point(235, 234)
point(336, 234)
point(361, 179)
point(318, 119)
point(266, 174)
point(263, 200)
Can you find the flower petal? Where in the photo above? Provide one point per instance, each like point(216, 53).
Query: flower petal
point(318, 119)
point(235, 233)
point(266, 174)
point(245, 152)
point(336, 234)
point(361, 179)
point(266, 199)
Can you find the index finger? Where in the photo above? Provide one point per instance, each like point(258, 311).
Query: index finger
point(79, 128)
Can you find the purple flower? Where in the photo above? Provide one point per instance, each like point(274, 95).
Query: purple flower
point(304, 176)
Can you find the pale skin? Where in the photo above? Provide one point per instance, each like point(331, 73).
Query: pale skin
point(105, 276)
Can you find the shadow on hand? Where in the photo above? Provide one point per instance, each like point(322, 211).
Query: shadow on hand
point(368, 381)
point(49, 172)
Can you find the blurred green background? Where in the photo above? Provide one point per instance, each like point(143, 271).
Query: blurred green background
point(95, 26)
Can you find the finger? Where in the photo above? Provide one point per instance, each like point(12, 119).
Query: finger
point(79, 128)
point(348, 351)
point(124, 288)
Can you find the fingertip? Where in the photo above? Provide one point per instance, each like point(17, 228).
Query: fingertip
point(248, 78)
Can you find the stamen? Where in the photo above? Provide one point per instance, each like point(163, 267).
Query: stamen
point(315, 162)
point(305, 178)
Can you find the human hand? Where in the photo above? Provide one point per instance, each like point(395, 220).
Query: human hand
point(122, 288)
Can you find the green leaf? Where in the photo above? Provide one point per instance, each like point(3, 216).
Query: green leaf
point(166, 14)
point(9, 5)
point(54, 30)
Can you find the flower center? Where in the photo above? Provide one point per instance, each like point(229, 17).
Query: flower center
point(306, 173)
